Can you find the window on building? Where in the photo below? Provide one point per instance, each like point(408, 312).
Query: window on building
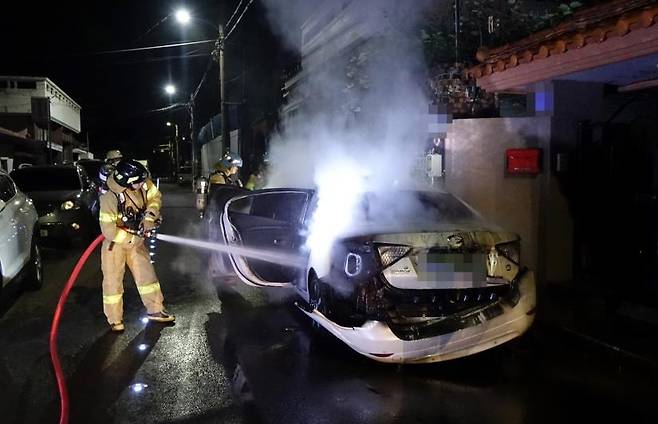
point(4, 84)
point(28, 85)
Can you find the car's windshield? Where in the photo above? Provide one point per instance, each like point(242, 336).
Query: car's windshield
point(46, 179)
point(413, 206)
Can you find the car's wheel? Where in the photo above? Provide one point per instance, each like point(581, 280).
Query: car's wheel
point(331, 303)
point(34, 276)
point(319, 295)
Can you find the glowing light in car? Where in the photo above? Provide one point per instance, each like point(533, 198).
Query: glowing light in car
point(145, 320)
point(142, 347)
point(353, 264)
point(138, 387)
point(68, 205)
point(340, 186)
point(75, 226)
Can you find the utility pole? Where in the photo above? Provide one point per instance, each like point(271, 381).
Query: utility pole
point(88, 151)
point(176, 164)
point(457, 29)
point(190, 107)
point(223, 111)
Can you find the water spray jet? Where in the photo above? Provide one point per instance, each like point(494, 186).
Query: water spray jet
point(287, 259)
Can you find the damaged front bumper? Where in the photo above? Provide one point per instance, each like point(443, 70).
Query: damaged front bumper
point(482, 331)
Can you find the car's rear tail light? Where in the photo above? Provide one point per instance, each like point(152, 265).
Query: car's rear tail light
point(390, 254)
point(511, 251)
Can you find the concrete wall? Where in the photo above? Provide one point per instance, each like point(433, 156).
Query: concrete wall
point(475, 171)
point(332, 29)
point(63, 109)
point(537, 208)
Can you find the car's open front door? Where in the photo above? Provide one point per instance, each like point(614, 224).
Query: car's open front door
point(269, 222)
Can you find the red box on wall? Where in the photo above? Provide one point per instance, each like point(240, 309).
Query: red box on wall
point(523, 161)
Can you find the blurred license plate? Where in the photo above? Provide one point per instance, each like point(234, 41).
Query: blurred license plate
point(43, 233)
point(458, 270)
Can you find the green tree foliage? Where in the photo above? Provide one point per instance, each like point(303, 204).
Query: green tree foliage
point(488, 23)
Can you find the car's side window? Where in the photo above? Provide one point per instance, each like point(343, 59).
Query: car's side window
point(242, 206)
point(286, 207)
point(7, 189)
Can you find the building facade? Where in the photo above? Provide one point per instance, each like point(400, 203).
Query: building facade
point(37, 107)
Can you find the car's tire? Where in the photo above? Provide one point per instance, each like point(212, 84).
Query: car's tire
point(319, 295)
point(328, 301)
point(34, 272)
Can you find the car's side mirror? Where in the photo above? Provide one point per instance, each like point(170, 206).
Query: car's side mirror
point(2, 205)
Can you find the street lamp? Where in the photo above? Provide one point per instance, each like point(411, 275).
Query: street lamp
point(183, 16)
point(170, 89)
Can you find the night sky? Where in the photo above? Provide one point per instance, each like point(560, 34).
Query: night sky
point(118, 92)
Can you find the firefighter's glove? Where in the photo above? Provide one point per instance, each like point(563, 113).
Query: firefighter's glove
point(149, 225)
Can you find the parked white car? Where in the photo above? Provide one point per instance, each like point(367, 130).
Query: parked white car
point(20, 255)
point(422, 284)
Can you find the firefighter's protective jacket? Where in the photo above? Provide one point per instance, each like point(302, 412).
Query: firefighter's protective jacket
point(147, 199)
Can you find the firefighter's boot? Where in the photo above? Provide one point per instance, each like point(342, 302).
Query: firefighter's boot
point(117, 327)
point(162, 316)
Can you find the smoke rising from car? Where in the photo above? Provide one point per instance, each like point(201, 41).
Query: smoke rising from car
point(362, 123)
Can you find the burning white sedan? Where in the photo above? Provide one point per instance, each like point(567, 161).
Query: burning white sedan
point(416, 277)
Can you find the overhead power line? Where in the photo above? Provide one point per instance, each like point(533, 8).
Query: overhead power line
point(150, 29)
point(228, 33)
point(162, 46)
point(160, 59)
point(234, 13)
point(203, 79)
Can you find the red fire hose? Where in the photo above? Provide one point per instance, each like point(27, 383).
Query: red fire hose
point(59, 374)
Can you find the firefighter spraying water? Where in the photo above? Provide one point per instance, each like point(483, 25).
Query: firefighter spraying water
point(130, 212)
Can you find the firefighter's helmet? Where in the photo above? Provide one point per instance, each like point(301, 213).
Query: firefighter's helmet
point(231, 159)
point(113, 155)
point(130, 172)
point(105, 172)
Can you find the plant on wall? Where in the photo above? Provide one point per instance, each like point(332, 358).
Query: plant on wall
point(482, 23)
point(487, 23)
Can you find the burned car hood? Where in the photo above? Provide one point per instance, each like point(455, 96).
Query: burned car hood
point(481, 237)
point(45, 201)
point(401, 230)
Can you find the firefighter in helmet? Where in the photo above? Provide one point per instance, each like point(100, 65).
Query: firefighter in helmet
point(226, 170)
point(111, 159)
point(129, 211)
point(256, 180)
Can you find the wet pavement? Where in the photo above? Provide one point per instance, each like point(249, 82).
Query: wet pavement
point(243, 355)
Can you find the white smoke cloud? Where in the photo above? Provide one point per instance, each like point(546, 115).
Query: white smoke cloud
point(363, 123)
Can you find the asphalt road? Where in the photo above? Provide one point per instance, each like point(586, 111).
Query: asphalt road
point(242, 355)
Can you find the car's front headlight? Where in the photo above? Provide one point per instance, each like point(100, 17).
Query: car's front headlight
point(391, 253)
point(68, 205)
